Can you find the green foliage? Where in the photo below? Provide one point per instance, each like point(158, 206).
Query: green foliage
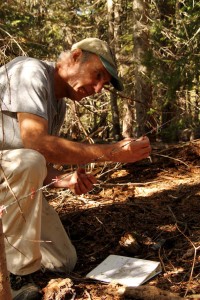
point(174, 56)
point(170, 134)
point(41, 28)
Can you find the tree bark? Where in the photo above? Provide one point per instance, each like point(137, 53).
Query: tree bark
point(5, 292)
point(148, 293)
point(143, 91)
point(113, 24)
point(128, 118)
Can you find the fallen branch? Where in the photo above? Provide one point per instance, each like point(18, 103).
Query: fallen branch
point(62, 287)
point(195, 249)
point(128, 184)
point(176, 159)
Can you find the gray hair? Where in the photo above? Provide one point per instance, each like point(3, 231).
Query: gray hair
point(64, 55)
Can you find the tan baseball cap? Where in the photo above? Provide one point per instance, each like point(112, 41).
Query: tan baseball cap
point(102, 49)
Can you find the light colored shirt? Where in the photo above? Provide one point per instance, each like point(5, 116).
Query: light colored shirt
point(27, 85)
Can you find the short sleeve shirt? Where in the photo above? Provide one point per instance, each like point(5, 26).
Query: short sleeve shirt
point(27, 85)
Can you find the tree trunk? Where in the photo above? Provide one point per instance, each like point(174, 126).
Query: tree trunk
point(5, 292)
point(113, 35)
point(128, 118)
point(143, 91)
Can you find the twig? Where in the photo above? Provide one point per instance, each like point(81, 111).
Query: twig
point(8, 185)
point(128, 183)
point(195, 251)
point(24, 53)
point(171, 158)
point(81, 125)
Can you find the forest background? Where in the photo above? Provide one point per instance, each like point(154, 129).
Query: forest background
point(156, 43)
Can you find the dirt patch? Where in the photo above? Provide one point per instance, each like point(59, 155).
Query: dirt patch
point(157, 201)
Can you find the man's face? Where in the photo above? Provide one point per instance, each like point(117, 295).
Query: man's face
point(85, 78)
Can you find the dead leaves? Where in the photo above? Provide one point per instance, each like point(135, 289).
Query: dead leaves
point(59, 289)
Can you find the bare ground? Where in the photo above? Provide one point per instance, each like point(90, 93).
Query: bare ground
point(157, 202)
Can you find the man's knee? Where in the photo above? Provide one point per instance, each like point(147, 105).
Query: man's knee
point(31, 158)
point(24, 161)
point(34, 163)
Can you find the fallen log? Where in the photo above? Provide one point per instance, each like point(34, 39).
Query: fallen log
point(61, 288)
point(5, 291)
point(145, 292)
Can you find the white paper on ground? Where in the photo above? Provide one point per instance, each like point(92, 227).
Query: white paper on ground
point(128, 271)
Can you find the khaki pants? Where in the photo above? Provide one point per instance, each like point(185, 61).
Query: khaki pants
point(34, 235)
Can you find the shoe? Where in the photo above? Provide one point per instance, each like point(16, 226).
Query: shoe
point(24, 288)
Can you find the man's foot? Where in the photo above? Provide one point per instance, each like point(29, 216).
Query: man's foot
point(24, 288)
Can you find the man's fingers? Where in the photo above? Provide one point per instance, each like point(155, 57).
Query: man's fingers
point(83, 182)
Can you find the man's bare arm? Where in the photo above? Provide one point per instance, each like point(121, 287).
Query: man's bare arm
point(62, 151)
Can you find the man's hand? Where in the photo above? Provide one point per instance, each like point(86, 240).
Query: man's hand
point(78, 182)
point(130, 150)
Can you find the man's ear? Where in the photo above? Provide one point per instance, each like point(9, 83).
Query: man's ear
point(76, 54)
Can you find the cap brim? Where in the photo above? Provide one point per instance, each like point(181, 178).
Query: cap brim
point(115, 80)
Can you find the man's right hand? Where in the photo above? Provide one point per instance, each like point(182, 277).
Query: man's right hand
point(131, 150)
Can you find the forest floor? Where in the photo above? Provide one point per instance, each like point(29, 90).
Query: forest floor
point(156, 202)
